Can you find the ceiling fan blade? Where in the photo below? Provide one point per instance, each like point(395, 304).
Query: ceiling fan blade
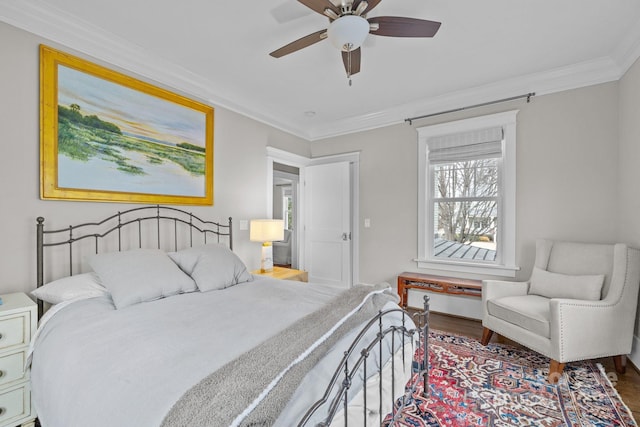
point(320, 5)
point(371, 5)
point(301, 43)
point(396, 26)
point(355, 61)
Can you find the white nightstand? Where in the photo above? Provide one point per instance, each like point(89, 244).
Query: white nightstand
point(18, 319)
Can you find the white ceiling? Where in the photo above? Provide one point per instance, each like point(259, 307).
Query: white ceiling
point(218, 51)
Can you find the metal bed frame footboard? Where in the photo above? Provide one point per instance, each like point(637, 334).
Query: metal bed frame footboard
point(346, 372)
point(204, 231)
point(200, 231)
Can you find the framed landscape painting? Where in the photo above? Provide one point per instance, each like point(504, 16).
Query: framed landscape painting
point(109, 137)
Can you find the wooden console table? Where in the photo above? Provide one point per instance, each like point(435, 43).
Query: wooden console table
point(440, 284)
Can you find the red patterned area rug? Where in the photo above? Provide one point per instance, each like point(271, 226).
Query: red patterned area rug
point(500, 385)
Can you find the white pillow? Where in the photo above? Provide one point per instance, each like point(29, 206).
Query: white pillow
point(85, 285)
point(212, 266)
point(140, 275)
point(556, 285)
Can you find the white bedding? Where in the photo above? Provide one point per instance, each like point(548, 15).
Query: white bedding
point(95, 365)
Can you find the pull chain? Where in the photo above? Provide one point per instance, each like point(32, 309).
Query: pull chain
point(349, 46)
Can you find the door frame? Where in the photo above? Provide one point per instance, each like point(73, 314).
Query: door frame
point(284, 157)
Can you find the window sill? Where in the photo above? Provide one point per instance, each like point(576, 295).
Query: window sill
point(473, 268)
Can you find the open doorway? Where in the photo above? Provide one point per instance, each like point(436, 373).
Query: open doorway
point(286, 180)
point(314, 201)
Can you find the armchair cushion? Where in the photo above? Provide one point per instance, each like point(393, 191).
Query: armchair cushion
point(556, 285)
point(530, 312)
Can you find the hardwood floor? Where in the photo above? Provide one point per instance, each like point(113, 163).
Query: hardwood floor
point(627, 385)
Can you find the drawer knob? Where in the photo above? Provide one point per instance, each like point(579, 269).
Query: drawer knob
point(2, 411)
point(1, 374)
point(1, 336)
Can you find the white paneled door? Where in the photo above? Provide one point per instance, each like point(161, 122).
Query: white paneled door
point(328, 223)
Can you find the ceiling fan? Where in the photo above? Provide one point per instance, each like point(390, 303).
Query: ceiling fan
point(349, 27)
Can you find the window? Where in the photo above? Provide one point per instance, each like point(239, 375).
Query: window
point(466, 206)
point(287, 207)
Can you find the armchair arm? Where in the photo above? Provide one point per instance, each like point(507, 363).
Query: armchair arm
point(584, 329)
point(501, 288)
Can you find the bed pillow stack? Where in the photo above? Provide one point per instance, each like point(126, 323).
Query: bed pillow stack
point(212, 266)
point(140, 275)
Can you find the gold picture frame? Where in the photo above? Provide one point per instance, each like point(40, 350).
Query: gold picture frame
point(108, 137)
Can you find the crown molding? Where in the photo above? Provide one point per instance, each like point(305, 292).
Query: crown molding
point(52, 24)
point(574, 76)
point(45, 20)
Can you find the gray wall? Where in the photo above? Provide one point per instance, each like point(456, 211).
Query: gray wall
point(240, 167)
point(566, 178)
point(578, 168)
point(577, 171)
point(628, 217)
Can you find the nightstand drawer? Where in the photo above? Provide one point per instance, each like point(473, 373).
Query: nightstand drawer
point(15, 404)
point(12, 367)
point(14, 330)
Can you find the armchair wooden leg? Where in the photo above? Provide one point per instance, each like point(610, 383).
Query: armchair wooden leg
point(620, 362)
point(486, 336)
point(555, 371)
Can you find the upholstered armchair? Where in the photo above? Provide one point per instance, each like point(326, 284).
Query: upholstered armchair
point(282, 250)
point(580, 303)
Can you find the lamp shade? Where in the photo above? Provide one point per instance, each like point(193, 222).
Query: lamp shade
point(348, 32)
point(266, 230)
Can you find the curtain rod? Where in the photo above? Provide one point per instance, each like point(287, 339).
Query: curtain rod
point(513, 98)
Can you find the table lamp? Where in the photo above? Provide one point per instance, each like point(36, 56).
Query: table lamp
point(266, 231)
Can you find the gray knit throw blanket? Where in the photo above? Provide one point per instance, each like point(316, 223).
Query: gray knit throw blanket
point(235, 393)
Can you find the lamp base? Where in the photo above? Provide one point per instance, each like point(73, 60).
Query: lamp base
point(266, 262)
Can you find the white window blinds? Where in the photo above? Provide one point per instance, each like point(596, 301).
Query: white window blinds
point(464, 146)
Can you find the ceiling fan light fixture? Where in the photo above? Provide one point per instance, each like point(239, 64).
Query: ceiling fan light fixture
point(348, 32)
point(349, 27)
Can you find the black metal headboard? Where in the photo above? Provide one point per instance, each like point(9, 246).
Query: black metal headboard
point(166, 222)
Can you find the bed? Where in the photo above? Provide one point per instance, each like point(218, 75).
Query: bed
point(152, 320)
